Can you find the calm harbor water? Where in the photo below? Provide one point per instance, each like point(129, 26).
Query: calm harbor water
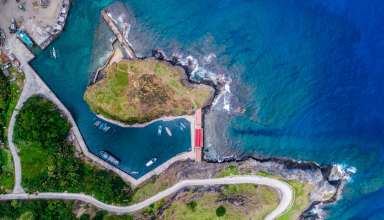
point(309, 74)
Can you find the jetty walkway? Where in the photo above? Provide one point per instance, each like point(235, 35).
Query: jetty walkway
point(120, 37)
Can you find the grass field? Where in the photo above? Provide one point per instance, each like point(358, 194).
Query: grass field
point(139, 91)
point(256, 202)
point(6, 171)
point(301, 192)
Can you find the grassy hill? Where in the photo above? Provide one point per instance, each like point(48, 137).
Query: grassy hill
point(139, 91)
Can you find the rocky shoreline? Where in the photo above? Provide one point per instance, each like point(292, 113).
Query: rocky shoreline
point(323, 177)
point(327, 180)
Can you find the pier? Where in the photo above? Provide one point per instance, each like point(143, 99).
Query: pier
point(198, 136)
point(119, 35)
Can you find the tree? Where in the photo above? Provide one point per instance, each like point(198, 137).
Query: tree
point(39, 122)
point(220, 211)
point(192, 205)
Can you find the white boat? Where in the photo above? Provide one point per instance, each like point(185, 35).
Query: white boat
point(169, 132)
point(182, 126)
point(104, 127)
point(151, 162)
point(53, 53)
point(134, 172)
point(109, 157)
point(159, 130)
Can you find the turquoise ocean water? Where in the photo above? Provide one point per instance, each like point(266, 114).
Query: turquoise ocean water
point(309, 74)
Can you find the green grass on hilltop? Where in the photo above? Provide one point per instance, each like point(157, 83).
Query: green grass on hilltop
point(138, 91)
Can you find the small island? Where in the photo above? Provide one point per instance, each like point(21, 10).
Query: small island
point(139, 91)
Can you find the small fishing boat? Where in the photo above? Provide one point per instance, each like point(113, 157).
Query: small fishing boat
point(104, 127)
point(97, 123)
point(53, 53)
point(134, 172)
point(109, 158)
point(25, 38)
point(182, 126)
point(159, 130)
point(169, 132)
point(151, 162)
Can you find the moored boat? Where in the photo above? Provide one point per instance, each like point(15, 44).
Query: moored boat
point(151, 162)
point(109, 158)
point(169, 132)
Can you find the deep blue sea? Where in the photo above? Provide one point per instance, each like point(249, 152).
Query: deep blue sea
point(309, 74)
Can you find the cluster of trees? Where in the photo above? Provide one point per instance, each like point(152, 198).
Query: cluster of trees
point(4, 103)
point(39, 122)
point(36, 210)
point(48, 210)
point(49, 162)
point(6, 172)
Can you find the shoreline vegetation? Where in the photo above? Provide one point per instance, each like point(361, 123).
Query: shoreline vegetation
point(141, 91)
point(49, 162)
point(10, 89)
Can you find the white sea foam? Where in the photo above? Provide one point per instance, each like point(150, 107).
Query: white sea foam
point(347, 171)
point(209, 58)
point(227, 96)
point(223, 100)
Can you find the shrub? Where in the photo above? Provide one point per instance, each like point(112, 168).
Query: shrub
point(192, 205)
point(220, 211)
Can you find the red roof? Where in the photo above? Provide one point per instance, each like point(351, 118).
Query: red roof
point(198, 138)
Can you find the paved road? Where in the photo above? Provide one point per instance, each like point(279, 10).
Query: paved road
point(285, 191)
point(16, 160)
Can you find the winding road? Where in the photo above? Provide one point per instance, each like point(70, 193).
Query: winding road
point(34, 85)
point(285, 192)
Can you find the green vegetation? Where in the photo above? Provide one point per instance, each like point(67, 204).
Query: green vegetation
point(51, 209)
point(10, 88)
point(49, 162)
point(231, 170)
point(192, 205)
point(6, 171)
point(256, 202)
point(4, 103)
point(149, 189)
point(36, 210)
point(138, 91)
point(220, 211)
point(301, 190)
point(301, 201)
point(152, 209)
point(301, 197)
